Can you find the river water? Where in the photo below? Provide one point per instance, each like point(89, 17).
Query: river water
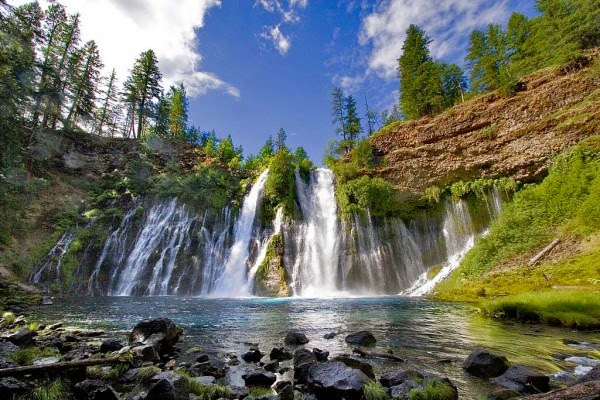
point(431, 336)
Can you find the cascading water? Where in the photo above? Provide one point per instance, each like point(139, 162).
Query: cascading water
point(233, 281)
point(316, 238)
point(48, 267)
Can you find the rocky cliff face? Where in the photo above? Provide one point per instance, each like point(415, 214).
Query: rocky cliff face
point(493, 136)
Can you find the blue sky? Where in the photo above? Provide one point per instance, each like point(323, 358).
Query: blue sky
point(254, 66)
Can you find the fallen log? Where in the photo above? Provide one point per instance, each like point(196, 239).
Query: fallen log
point(65, 365)
point(542, 253)
point(368, 354)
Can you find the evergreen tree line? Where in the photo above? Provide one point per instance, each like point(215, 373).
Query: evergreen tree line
point(50, 80)
point(497, 57)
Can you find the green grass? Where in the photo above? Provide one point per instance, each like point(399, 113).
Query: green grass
point(258, 391)
point(374, 391)
point(205, 392)
point(144, 374)
point(574, 309)
point(117, 371)
point(433, 390)
point(55, 390)
point(26, 356)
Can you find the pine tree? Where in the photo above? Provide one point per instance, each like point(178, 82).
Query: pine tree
point(353, 126)
point(106, 113)
point(143, 86)
point(178, 115)
point(84, 82)
point(266, 151)
point(280, 140)
point(337, 111)
point(161, 115)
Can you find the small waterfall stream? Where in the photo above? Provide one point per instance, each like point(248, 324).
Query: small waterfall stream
point(168, 248)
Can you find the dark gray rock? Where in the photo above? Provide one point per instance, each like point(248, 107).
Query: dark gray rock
point(146, 353)
point(252, 356)
point(92, 389)
point(592, 375)
point(202, 358)
point(110, 345)
point(523, 380)
point(362, 338)
point(280, 354)
point(284, 390)
point(259, 377)
point(4, 363)
point(162, 333)
point(169, 385)
point(399, 376)
point(321, 355)
point(7, 348)
point(205, 380)
point(330, 335)
point(303, 360)
point(239, 392)
point(504, 394)
point(295, 338)
point(401, 391)
point(22, 338)
point(355, 363)
point(12, 388)
point(484, 364)
point(271, 366)
point(335, 380)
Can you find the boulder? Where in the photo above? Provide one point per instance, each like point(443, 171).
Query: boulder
point(252, 356)
point(169, 386)
point(335, 380)
point(523, 380)
point(13, 388)
point(259, 377)
point(202, 358)
point(504, 394)
point(271, 366)
point(355, 363)
point(161, 333)
point(22, 338)
point(4, 363)
point(295, 338)
point(205, 380)
point(581, 391)
point(397, 377)
point(362, 338)
point(321, 355)
point(484, 364)
point(146, 353)
point(303, 360)
point(7, 348)
point(280, 354)
point(330, 335)
point(110, 345)
point(284, 390)
point(402, 390)
point(93, 389)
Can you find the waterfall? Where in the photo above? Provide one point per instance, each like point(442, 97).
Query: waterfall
point(47, 269)
point(233, 280)
point(315, 269)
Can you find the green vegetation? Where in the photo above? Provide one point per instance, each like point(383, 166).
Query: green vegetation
point(144, 374)
point(27, 355)
point(205, 392)
point(117, 371)
point(279, 187)
point(433, 390)
point(374, 391)
point(259, 391)
point(571, 308)
point(365, 193)
point(270, 279)
point(56, 390)
point(434, 271)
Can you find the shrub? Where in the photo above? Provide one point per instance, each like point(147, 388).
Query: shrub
point(373, 194)
point(280, 186)
point(362, 154)
point(374, 391)
point(55, 390)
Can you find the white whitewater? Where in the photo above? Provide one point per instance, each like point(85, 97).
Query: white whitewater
point(48, 268)
point(459, 235)
point(315, 271)
point(233, 280)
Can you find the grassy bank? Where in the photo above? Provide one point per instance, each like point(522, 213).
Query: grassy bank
point(564, 288)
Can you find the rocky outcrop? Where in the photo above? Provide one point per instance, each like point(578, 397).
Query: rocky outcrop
point(492, 136)
point(271, 276)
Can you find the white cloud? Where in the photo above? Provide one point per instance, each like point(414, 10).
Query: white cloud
point(125, 28)
point(287, 15)
point(281, 42)
point(447, 22)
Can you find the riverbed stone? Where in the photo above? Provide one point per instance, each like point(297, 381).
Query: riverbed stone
point(362, 338)
point(321, 355)
point(110, 345)
point(591, 375)
point(7, 348)
point(11, 387)
point(303, 360)
point(94, 389)
point(146, 353)
point(355, 363)
point(295, 338)
point(259, 377)
point(22, 338)
point(401, 391)
point(271, 366)
point(504, 394)
point(398, 376)
point(285, 390)
point(280, 354)
point(252, 356)
point(523, 380)
point(485, 364)
point(335, 380)
point(162, 333)
point(169, 386)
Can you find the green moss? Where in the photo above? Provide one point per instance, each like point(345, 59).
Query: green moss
point(27, 355)
point(271, 278)
point(365, 193)
point(433, 390)
point(434, 271)
point(570, 308)
point(259, 391)
point(144, 374)
point(374, 391)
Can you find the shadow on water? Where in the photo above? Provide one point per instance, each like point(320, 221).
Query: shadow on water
point(431, 336)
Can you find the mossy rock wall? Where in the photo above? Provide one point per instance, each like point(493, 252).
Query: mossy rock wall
point(271, 278)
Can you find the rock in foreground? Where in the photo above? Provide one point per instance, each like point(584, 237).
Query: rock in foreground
point(161, 333)
point(335, 380)
point(484, 364)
